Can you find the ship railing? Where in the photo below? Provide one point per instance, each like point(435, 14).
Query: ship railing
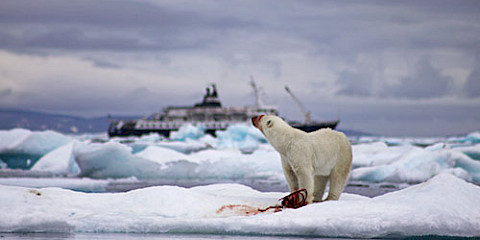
point(173, 125)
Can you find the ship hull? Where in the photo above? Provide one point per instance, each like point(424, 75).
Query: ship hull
point(130, 130)
point(165, 133)
point(311, 127)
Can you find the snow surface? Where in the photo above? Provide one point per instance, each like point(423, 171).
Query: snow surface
point(240, 152)
point(443, 206)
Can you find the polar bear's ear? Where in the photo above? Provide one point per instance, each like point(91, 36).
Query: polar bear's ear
point(269, 123)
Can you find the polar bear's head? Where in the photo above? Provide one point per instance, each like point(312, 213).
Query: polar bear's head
point(268, 123)
point(277, 131)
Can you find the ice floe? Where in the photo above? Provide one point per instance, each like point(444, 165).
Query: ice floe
point(442, 206)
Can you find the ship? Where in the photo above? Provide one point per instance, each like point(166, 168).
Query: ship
point(209, 114)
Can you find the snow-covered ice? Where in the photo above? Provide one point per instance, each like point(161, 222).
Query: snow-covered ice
point(442, 206)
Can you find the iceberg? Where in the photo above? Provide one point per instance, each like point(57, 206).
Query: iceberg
point(20, 148)
point(443, 206)
point(11, 138)
point(377, 153)
point(60, 161)
point(35, 143)
point(226, 164)
point(232, 164)
point(116, 160)
point(187, 146)
point(472, 152)
point(473, 137)
point(417, 165)
point(244, 137)
point(112, 160)
point(161, 155)
point(188, 131)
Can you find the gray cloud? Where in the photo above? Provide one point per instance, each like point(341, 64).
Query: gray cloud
point(101, 13)
point(472, 86)
point(361, 47)
point(106, 25)
point(355, 84)
point(425, 82)
point(102, 63)
point(348, 27)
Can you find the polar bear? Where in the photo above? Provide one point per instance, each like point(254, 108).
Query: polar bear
point(309, 160)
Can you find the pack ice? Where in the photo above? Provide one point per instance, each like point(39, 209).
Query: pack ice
point(240, 152)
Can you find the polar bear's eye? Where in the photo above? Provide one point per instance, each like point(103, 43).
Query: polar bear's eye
point(269, 123)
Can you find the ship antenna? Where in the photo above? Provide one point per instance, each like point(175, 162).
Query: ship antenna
point(256, 90)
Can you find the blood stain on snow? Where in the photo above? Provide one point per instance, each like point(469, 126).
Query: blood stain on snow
point(239, 209)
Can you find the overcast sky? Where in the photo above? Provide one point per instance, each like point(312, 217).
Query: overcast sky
point(395, 68)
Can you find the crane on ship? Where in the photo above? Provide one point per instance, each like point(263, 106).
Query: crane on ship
point(257, 91)
point(306, 114)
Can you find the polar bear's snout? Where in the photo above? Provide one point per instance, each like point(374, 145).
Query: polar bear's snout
point(256, 121)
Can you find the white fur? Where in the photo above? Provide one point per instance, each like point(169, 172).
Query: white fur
point(310, 160)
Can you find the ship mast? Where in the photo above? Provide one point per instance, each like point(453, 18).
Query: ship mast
point(306, 113)
point(256, 90)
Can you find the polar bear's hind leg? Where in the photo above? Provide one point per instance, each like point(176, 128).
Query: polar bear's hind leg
point(320, 184)
point(336, 187)
point(338, 179)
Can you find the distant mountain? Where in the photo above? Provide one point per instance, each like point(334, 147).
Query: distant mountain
point(14, 118)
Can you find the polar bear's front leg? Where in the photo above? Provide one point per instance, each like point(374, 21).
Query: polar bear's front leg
point(290, 176)
point(305, 181)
